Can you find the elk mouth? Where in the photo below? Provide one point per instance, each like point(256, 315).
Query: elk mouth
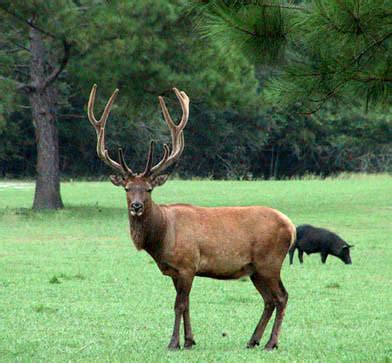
point(136, 213)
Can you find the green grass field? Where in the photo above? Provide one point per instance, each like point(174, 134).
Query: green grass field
point(73, 287)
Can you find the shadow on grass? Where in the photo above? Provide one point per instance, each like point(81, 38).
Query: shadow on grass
point(44, 309)
point(72, 212)
point(57, 279)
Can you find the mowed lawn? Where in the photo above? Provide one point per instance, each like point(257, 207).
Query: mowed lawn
point(74, 288)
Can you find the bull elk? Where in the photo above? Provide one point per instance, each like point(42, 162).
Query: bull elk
point(187, 241)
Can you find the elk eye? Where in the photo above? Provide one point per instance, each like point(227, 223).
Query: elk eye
point(149, 190)
point(126, 189)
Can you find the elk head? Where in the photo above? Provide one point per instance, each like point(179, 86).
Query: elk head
point(139, 186)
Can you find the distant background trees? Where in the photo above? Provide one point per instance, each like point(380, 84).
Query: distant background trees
point(296, 92)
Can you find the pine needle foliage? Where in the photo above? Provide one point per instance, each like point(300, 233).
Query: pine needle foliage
point(322, 49)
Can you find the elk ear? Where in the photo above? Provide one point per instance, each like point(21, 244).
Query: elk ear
point(350, 246)
point(117, 180)
point(160, 180)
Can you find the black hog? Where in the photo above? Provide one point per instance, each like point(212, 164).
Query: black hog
point(319, 240)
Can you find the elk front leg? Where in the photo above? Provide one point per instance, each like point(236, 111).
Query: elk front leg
point(183, 285)
point(189, 341)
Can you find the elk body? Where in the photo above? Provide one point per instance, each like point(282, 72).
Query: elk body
point(188, 241)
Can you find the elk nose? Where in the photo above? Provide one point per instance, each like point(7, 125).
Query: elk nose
point(136, 206)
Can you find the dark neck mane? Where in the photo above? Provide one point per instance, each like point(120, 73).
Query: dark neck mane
point(148, 230)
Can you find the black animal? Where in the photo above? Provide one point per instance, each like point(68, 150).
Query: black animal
point(319, 240)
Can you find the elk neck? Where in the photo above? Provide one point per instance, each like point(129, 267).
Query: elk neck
point(148, 229)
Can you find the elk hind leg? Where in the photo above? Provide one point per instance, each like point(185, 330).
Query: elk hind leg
point(269, 307)
point(189, 341)
point(280, 297)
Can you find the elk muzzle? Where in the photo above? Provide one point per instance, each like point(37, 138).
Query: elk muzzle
point(136, 209)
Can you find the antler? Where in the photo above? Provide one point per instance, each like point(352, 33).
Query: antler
point(99, 127)
point(177, 136)
point(176, 131)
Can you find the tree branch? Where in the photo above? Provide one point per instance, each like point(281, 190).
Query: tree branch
point(352, 62)
point(322, 101)
point(344, 7)
point(72, 115)
point(18, 85)
point(284, 6)
point(21, 47)
point(371, 78)
point(375, 43)
point(254, 33)
point(10, 51)
point(27, 21)
point(57, 71)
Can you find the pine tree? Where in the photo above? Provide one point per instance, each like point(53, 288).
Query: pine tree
point(35, 52)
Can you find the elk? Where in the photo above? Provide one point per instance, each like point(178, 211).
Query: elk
point(187, 241)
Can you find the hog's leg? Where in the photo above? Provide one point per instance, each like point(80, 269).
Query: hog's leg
point(301, 255)
point(291, 254)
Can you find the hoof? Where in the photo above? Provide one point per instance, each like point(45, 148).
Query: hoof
point(173, 346)
point(189, 343)
point(270, 347)
point(252, 344)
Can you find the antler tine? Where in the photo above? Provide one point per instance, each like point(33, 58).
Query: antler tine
point(123, 163)
point(90, 106)
point(184, 102)
point(99, 127)
point(108, 107)
point(169, 121)
point(165, 112)
point(166, 152)
point(90, 109)
point(176, 132)
point(150, 154)
point(103, 153)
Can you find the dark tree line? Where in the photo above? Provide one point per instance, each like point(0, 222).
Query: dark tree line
point(224, 144)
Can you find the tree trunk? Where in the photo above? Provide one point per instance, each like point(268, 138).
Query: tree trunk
point(276, 163)
point(43, 103)
point(272, 163)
